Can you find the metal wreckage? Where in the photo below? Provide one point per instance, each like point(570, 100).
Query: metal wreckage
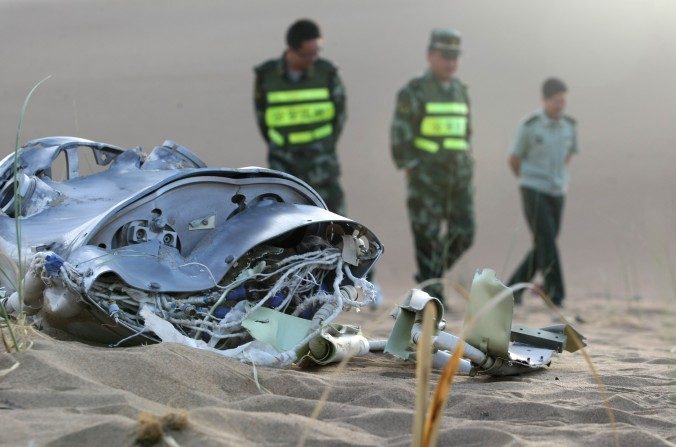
point(246, 262)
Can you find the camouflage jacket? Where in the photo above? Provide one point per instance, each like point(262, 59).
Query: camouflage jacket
point(412, 108)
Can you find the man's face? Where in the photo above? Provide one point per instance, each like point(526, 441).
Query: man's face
point(302, 58)
point(554, 105)
point(442, 66)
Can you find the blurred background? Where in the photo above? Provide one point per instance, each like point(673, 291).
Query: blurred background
point(138, 72)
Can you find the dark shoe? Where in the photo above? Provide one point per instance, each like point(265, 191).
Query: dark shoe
point(436, 291)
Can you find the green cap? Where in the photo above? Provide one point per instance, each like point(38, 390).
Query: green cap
point(445, 40)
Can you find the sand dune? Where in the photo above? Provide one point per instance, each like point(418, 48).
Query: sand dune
point(67, 393)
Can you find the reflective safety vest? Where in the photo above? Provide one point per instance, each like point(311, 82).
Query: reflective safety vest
point(297, 113)
point(299, 116)
point(445, 123)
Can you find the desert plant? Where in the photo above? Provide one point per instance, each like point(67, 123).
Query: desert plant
point(443, 389)
point(17, 222)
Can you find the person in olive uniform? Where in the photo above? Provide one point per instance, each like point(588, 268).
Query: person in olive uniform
point(430, 139)
point(544, 145)
point(300, 109)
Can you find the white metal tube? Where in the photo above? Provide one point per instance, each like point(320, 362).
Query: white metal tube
point(377, 345)
point(447, 342)
point(440, 359)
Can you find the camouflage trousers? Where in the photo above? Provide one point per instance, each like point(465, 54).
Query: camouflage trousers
point(318, 167)
point(441, 212)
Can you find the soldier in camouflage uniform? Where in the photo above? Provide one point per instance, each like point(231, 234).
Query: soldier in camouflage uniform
point(430, 140)
point(300, 108)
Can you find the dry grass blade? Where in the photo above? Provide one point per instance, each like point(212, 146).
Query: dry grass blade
point(423, 368)
point(321, 402)
point(451, 368)
point(20, 334)
point(441, 394)
point(463, 292)
point(5, 343)
point(602, 390)
point(327, 391)
point(6, 371)
point(220, 363)
point(9, 274)
point(8, 324)
point(590, 364)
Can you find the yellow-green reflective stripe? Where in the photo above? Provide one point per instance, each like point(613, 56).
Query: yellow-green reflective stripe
point(300, 137)
point(443, 126)
point(455, 144)
point(426, 145)
point(310, 94)
point(310, 135)
point(322, 132)
point(281, 116)
point(276, 137)
point(447, 107)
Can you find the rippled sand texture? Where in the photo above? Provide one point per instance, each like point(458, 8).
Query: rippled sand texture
point(66, 393)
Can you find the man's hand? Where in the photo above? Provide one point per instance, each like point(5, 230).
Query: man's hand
point(515, 164)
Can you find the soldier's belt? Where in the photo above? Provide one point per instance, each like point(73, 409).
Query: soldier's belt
point(431, 146)
point(304, 137)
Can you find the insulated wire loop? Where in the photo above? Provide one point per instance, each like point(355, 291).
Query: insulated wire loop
point(300, 278)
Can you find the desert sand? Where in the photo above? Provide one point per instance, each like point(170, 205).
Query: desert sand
point(137, 73)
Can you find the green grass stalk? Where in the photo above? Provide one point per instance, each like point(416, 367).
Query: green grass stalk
point(17, 222)
point(17, 197)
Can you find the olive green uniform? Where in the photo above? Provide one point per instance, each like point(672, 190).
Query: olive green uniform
point(430, 136)
point(543, 145)
point(301, 119)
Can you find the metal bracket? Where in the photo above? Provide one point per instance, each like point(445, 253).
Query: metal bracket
point(203, 223)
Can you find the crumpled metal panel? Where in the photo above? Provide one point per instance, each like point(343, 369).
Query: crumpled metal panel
point(161, 232)
point(87, 203)
point(489, 331)
point(152, 266)
point(530, 355)
point(38, 155)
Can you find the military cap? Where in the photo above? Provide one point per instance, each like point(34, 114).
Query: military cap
point(445, 40)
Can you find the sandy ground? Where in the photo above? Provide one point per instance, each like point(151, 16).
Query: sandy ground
point(137, 73)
